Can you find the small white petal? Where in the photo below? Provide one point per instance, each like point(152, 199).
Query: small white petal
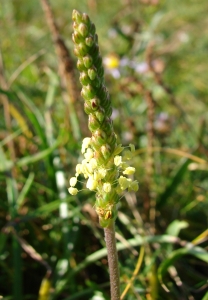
point(107, 187)
point(72, 191)
point(129, 171)
point(73, 181)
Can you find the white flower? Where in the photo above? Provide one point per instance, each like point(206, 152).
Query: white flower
point(79, 169)
point(93, 163)
point(85, 144)
point(129, 171)
point(73, 191)
point(91, 184)
point(124, 182)
point(73, 181)
point(89, 154)
point(107, 187)
point(117, 160)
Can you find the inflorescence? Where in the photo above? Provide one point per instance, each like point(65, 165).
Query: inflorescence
point(106, 171)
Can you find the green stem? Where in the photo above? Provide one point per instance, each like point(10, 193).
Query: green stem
point(112, 261)
point(17, 265)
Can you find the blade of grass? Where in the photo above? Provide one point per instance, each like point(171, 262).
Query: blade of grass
point(198, 252)
point(12, 195)
point(175, 181)
point(25, 190)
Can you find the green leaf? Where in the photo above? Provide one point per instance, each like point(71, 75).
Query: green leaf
point(171, 188)
point(198, 252)
point(205, 296)
point(25, 190)
point(175, 227)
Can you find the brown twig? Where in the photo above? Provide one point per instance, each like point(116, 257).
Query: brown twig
point(150, 158)
point(66, 68)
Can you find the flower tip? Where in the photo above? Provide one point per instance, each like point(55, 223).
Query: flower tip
point(76, 15)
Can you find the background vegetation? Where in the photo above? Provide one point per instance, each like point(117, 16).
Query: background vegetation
point(155, 54)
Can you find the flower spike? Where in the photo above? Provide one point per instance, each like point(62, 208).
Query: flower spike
point(101, 165)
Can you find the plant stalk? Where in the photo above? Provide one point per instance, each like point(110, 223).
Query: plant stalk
point(112, 261)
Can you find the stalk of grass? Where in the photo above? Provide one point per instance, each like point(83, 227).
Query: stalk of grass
point(12, 195)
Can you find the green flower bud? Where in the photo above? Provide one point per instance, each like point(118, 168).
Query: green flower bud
point(89, 41)
point(100, 137)
point(92, 73)
point(100, 114)
point(84, 79)
point(75, 26)
point(80, 65)
point(83, 30)
point(106, 151)
point(93, 123)
point(76, 16)
point(87, 108)
point(76, 38)
point(88, 92)
point(88, 61)
point(81, 50)
point(86, 19)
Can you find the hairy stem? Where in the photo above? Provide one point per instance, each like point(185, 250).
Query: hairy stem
point(112, 261)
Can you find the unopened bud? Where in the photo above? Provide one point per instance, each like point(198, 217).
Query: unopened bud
point(106, 151)
point(88, 92)
point(93, 124)
point(76, 16)
point(92, 73)
point(89, 41)
point(83, 30)
point(88, 61)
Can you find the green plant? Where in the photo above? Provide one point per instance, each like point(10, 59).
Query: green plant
point(102, 165)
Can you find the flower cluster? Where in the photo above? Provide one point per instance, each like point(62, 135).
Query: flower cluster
point(97, 177)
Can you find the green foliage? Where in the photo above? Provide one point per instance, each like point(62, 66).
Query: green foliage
point(157, 50)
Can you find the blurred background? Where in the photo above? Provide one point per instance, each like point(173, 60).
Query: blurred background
point(155, 57)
